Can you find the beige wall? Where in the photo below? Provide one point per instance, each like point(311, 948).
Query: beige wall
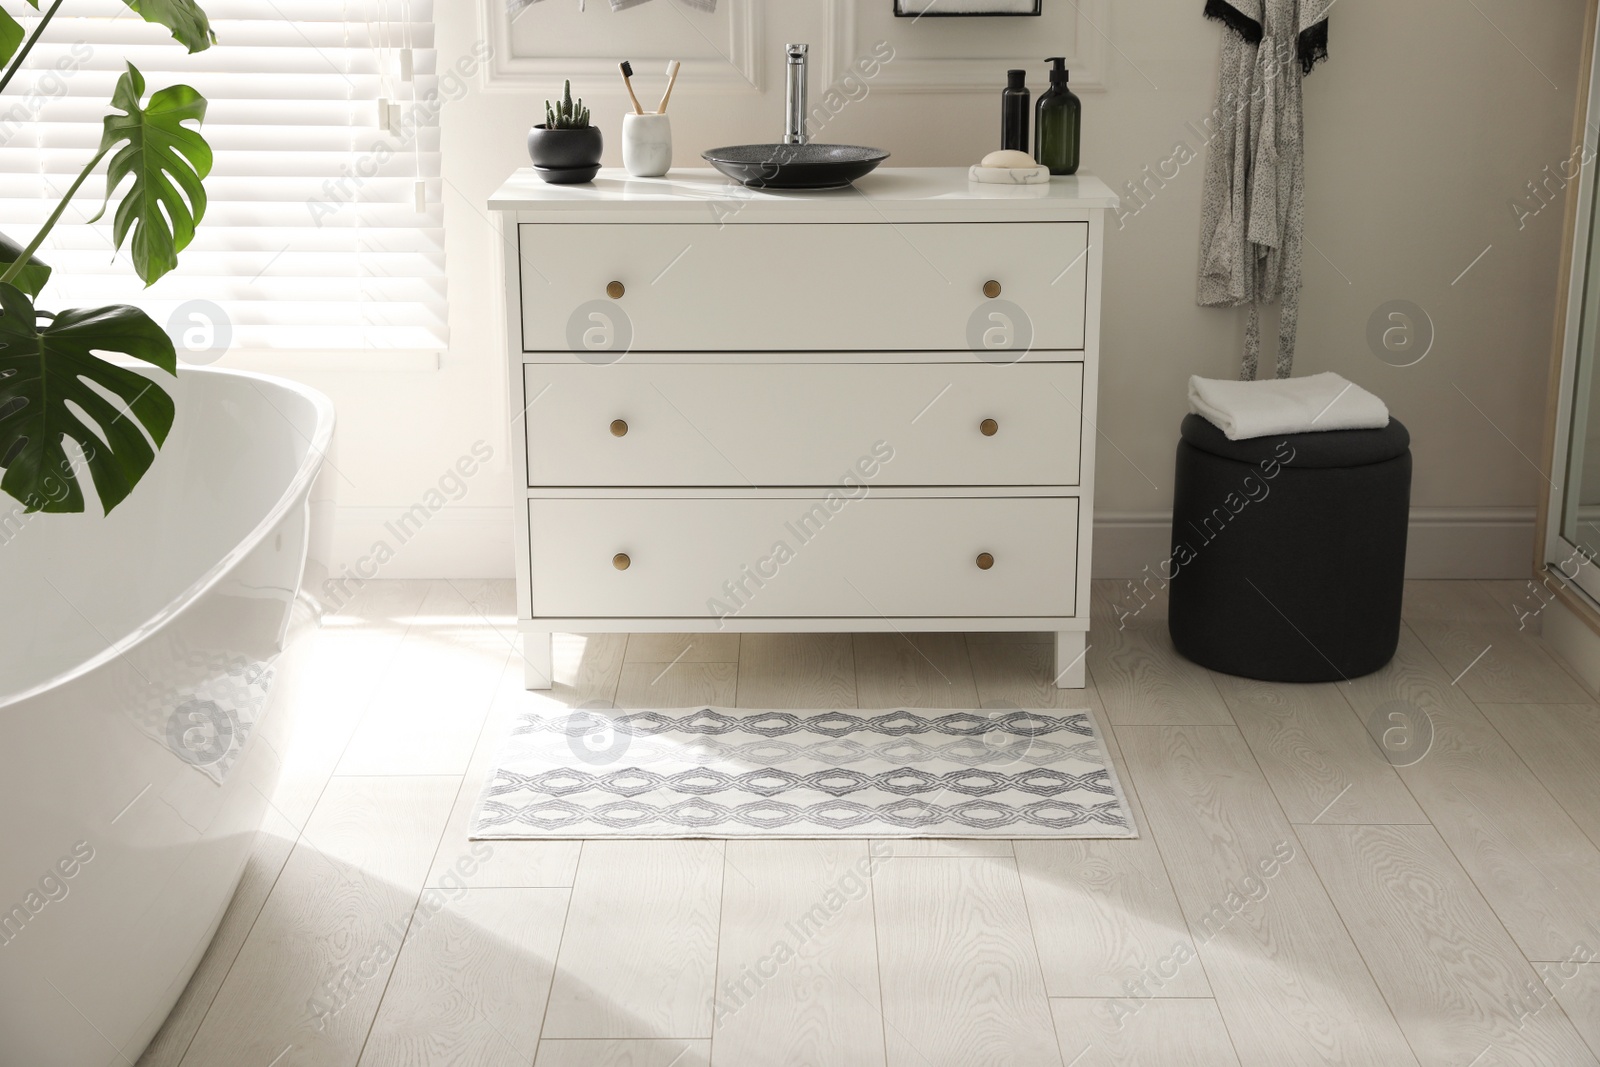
point(1422, 128)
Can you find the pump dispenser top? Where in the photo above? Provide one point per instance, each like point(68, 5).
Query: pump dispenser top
point(1058, 121)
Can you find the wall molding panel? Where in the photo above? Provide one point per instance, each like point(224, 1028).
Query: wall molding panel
point(729, 52)
point(928, 52)
point(721, 53)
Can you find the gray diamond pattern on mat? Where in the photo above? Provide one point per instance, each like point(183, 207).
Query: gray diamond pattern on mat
point(716, 772)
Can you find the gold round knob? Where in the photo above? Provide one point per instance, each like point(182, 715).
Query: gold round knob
point(621, 561)
point(985, 561)
point(619, 428)
point(991, 288)
point(988, 427)
point(615, 290)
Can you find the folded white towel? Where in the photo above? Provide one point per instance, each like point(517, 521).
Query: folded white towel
point(1290, 405)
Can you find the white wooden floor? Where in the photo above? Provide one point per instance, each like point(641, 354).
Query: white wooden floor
point(1294, 898)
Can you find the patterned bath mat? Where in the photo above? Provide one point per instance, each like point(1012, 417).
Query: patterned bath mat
point(720, 772)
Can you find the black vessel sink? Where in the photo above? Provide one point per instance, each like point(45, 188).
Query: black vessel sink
point(795, 166)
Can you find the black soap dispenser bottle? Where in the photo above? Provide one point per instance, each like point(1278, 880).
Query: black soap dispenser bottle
point(1014, 111)
point(1057, 122)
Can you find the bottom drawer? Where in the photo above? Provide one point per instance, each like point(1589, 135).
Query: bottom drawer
point(794, 557)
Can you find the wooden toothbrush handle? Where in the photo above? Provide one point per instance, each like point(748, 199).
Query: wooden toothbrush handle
point(662, 110)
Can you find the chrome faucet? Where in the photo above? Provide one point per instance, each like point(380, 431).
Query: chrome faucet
point(794, 109)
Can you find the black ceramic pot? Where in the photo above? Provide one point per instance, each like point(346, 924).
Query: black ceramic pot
point(564, 150)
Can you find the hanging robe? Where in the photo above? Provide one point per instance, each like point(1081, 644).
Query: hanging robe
point(1253, 217)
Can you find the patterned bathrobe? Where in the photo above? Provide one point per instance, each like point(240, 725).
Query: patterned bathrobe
point(1253, 220)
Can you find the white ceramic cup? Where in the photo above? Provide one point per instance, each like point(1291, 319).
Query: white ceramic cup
point(646, 144)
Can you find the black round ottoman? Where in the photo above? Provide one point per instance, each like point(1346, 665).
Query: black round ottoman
point(1289, 552)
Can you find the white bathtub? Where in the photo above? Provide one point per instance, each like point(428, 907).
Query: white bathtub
point(138, 738)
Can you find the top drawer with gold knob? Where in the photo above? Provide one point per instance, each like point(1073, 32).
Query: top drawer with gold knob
point(998, 289)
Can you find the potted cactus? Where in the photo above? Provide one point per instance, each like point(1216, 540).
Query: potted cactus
point(564, 148)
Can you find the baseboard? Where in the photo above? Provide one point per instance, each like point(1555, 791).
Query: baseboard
point(1483, 543)
point(454, 542)
point(475, 542)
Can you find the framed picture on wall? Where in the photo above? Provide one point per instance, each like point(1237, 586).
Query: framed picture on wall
point(946, 8)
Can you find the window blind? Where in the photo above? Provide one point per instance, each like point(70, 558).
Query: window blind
point(324, 228)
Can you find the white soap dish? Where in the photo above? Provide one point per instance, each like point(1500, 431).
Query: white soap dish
point(1009, 175)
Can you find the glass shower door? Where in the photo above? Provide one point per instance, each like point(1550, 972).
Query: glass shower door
point(1574, 545)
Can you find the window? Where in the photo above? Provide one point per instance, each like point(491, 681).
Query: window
point(324, 227)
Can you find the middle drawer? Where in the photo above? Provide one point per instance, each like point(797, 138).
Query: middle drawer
point(736, 425)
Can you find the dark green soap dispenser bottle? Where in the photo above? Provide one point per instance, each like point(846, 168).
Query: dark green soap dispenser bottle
point(1057, 122)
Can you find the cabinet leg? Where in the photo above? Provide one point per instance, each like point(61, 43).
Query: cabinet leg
point(537, 667)
point(1072, 670)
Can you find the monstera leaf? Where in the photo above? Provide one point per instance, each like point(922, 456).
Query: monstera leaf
point(33, 276)
point(167, 162)
point(183, 17)
point(48, 376)
point(11, 35)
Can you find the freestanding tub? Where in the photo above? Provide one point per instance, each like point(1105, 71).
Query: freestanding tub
point(138, 739)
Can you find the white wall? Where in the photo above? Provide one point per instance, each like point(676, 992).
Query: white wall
point(1426, 123)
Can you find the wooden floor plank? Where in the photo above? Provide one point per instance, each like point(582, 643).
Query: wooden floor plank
point(946, 847)
point(1161, 1033)
point(683, 648)
point(1495, 659)
point(587, 667)
point(471, 982)
point(1449, 971)
point(967, 938)
point(1576, 987)
point(1433, 600)
point(587, 671)
point(639, 956)
point(1014, 669)
point(797, 671)
point(613, 1053)
point(1524, 600)
point(330, 692)
point(1538, 870)
point(308, 980)
point(267, 859)
point(913, 671)
point(426, 713)
point(797, 973)
point(1140, 678)
point(961, 981)
point(677, 685)
point(1289, 982)
point(1560, 743)
point(1322, 762)
point(1105, 920)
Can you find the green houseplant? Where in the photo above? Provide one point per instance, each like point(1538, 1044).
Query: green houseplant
point(564, 148)
point(52, 362)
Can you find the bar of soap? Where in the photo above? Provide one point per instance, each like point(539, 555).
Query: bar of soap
point(1034, 175)
point(1009, 157)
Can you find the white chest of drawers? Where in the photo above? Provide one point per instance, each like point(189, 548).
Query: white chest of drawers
point(858, 410)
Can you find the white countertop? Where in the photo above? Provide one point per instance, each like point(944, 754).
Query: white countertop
point(889, 194)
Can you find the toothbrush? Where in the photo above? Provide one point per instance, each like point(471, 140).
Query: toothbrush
point(672, 79)
point(627, 73)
